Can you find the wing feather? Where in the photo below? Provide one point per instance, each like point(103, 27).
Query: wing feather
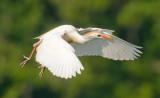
point(130, 47)
point(116, 49)
point(59, 57)
point(90, 29)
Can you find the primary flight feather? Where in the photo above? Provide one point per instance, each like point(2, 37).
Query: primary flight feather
point(58, 49)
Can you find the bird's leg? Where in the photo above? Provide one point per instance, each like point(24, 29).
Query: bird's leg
point(41, 72)
point(28, 58)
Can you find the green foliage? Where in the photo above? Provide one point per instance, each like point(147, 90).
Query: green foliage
point(136, 21)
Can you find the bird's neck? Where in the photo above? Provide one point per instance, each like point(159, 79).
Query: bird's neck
point(76, 38)
point(80, 39)
point(86, 38)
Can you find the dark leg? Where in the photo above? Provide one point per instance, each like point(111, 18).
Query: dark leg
point(28, 58)
point(41, 72)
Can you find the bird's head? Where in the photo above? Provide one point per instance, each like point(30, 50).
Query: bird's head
point(96, 34)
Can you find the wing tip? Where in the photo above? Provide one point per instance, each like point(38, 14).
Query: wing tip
point(139, 47)
point(69, 76)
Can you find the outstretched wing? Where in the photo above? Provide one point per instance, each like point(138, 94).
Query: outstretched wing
point(58, 56)
point(116, 48)
point(83, 31)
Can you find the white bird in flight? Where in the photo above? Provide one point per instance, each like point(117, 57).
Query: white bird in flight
point(58, 49)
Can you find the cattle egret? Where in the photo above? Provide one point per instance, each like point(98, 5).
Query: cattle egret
point(58, 49)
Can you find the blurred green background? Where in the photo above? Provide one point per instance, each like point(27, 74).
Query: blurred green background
point(137, 21)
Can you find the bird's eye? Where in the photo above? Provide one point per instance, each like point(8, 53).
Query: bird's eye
point(99, 35)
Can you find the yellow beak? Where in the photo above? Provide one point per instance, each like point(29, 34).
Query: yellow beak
point(107, 37)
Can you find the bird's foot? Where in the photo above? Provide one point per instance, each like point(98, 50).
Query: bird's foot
point(42, 70)
point(25, 61)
